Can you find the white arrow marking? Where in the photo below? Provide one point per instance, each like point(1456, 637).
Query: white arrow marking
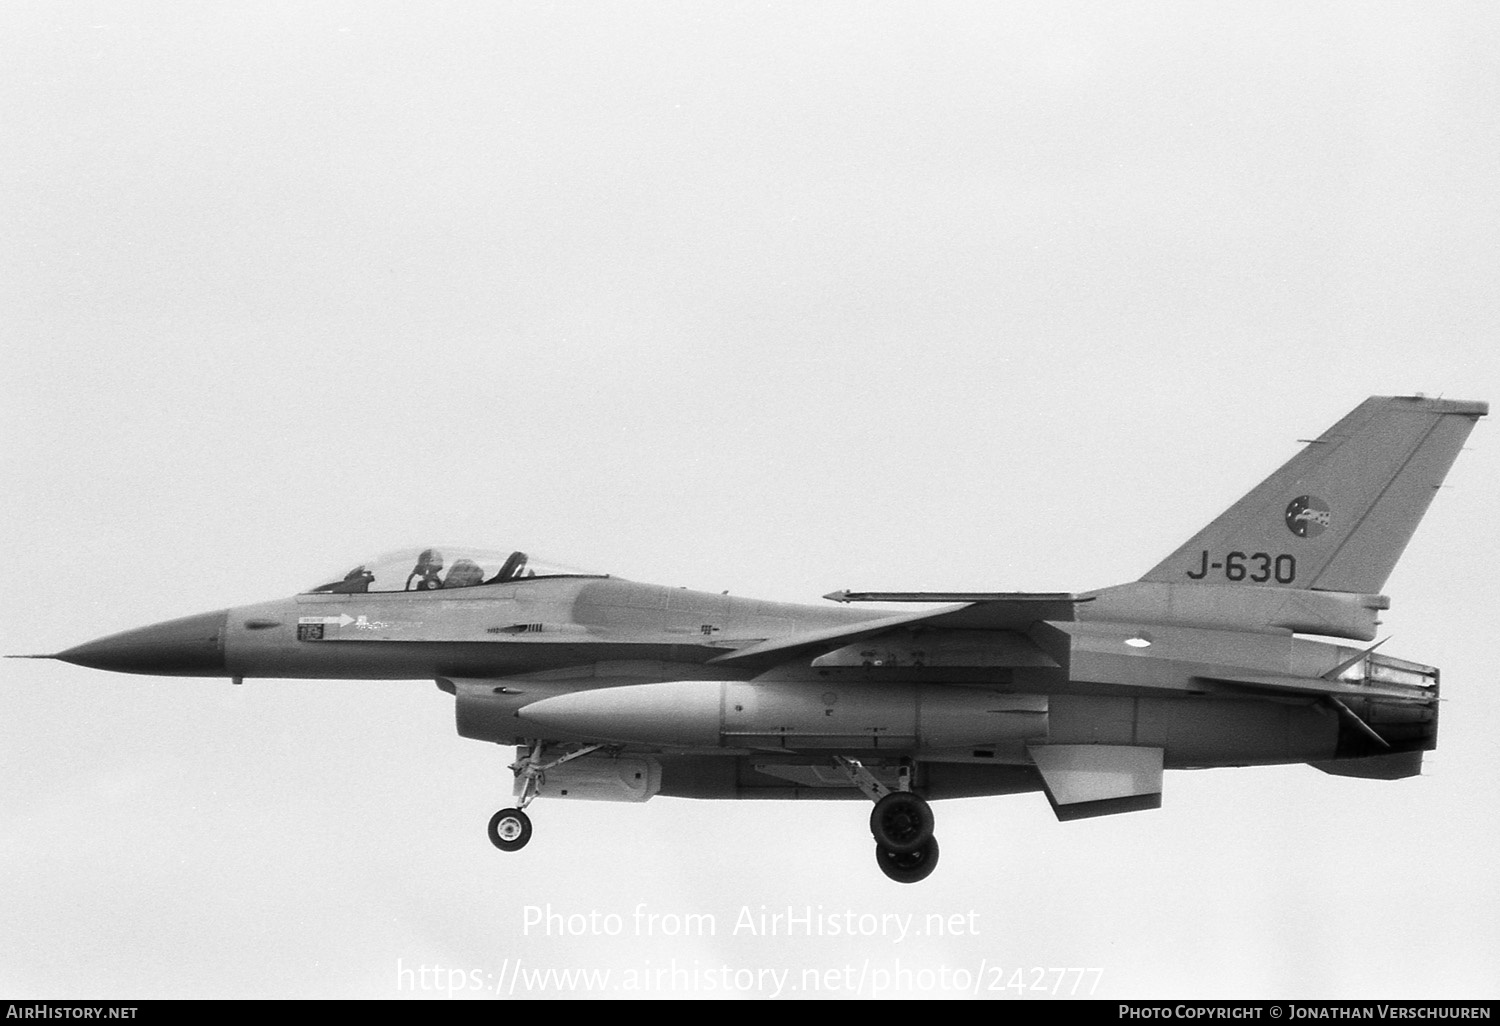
point(343, 621)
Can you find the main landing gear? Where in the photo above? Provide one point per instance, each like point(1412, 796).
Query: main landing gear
point(901, 823)
point(510, 829)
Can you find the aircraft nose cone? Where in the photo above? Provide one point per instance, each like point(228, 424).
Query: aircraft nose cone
point(192, 646)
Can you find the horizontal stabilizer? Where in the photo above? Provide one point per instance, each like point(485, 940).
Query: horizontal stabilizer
point(1083, 781)
point(1376, 767)
point(1349, 663)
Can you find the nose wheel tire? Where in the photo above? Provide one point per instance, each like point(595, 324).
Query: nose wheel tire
point(901, 823)
point(909, 866)
point(510, 829)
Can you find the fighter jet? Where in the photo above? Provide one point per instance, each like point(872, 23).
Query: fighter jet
point(613, 690)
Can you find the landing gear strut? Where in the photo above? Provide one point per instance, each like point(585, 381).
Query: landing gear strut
point(510, 829)
point(901, 823)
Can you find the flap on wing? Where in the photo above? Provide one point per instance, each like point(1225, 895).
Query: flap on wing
point(1276, 684)
point(1014, 612)
point(1082, 781)
point(950, 596)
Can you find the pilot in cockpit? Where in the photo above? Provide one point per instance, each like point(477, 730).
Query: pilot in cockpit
point(433, 569)
point(429, 565)
point(465, 573)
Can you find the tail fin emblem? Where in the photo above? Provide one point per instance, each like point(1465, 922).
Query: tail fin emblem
point(1308, 516)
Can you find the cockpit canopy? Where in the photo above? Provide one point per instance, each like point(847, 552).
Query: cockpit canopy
point(440, 568)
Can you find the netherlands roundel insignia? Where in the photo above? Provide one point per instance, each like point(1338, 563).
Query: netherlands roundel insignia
point(1308, 516)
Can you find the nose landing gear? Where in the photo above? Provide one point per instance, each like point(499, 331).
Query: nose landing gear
point(510, 829)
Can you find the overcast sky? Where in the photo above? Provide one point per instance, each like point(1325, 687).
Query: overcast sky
point(774, 298)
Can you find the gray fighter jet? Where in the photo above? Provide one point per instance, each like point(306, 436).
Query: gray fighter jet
point(619, 691)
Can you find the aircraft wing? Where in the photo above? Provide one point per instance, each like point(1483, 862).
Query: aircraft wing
point(1001, 611)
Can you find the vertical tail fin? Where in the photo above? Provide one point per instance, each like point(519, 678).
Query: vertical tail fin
point(1338, 515)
